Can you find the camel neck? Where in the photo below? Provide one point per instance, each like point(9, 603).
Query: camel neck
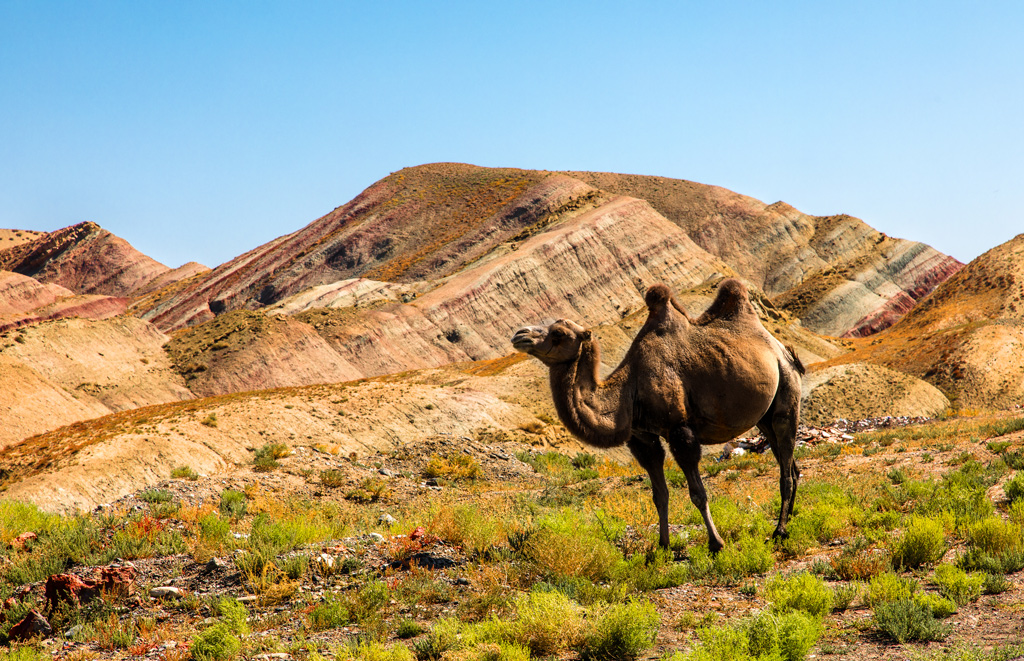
point(594, 411)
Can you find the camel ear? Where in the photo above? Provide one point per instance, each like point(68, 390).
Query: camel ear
point(586, 335)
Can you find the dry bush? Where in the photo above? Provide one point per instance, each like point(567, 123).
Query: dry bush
point(453, 467)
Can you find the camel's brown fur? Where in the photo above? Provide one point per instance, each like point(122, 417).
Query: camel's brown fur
point(691, 382)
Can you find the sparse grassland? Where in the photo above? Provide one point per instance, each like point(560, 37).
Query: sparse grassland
point(558, 562)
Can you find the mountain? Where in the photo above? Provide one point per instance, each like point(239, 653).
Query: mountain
point(439, 263)
point(967, 337)
point(840, 276)
point(85, 259)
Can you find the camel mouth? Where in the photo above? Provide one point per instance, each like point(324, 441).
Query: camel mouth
point(525, 339)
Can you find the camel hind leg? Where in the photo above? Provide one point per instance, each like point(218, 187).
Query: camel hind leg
point(779, 427)
point(686, 449)
point(649, 453)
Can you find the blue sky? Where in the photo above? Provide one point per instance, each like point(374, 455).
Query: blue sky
point(198, 130)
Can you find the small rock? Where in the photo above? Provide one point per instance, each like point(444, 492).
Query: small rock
point(324, 563)
point(432, 482)
point(387, 472)
point(248, 599)
point(73, 631)
point(164, 592)
point(376, 536)
point(241, 535)
point(34, 625)
point(387, 519)
point(215, 564)
point(462, 581)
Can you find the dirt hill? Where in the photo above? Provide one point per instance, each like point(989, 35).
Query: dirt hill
point(856, 391)
point(59, 372)
point(967, 338)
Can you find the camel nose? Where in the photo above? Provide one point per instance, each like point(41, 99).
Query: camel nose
point(523, 338)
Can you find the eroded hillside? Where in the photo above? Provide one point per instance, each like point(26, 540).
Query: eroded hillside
point(967, 338)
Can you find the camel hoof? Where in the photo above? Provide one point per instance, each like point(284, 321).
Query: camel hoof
point(715, 545)
point(780, 534)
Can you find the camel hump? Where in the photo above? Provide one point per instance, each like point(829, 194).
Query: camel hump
point(731, 301)
point(657, 296)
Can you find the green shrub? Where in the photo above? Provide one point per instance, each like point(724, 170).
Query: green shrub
point(739, 559)
point(1007, 562)
point(890, 587)
point(548, 623)
point(939, 606)
point(1017, 511)
point(156, 496)
point(234, 614)
point(923, 542)
point(295, 567)
point(768, 636)
point(456, 467)
point(1014, 487)
point(265, 459)
point(801, 592)
point(962, 493)
point(233, 504)
point(995, 536)
point(1015, 459)
point(907, 620)
point(843, 595)
point(184, 473)
point(216, 643)
point(333, 478)
point(564, 544)
point(995, 584)
point(956, 584)
point(624, 631)
point(214, 529)
point(370, 490)
point(408, 629)
point(332, 612)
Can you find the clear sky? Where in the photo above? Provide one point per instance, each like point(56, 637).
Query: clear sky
point(199, 130)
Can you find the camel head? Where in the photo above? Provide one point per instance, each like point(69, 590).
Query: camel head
point(557, 343)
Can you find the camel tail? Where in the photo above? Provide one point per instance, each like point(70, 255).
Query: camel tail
point(796, 360)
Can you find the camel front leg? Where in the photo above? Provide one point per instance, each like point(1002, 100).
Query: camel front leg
point(686, 449)
point(649, 453)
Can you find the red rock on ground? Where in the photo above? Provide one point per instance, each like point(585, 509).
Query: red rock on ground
point(69, 588)
point(34, 625)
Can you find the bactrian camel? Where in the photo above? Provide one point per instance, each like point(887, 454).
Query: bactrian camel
point(692, 382)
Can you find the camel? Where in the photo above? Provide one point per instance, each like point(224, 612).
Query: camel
point(692, 382)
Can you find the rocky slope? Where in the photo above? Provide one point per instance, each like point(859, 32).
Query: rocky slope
point(85, 259)
point(590, 266)
point(967, 338)
point(840, 276)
